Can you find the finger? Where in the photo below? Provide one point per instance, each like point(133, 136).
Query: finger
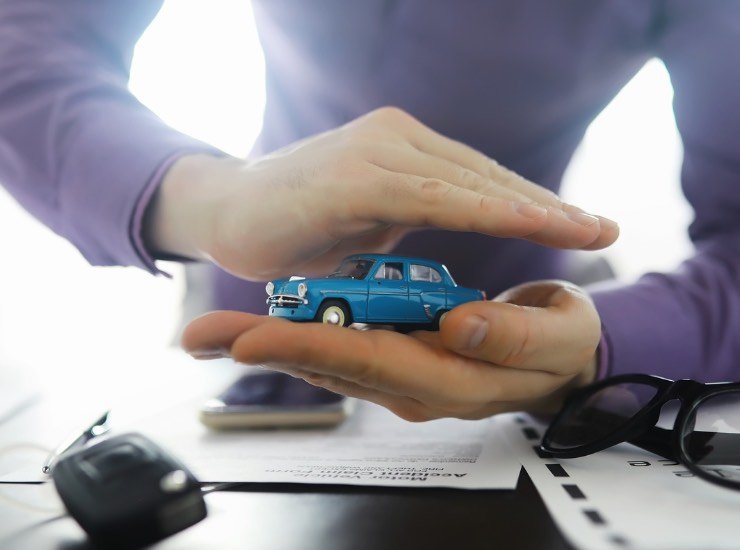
point(411, 409)
point(560, 338)
point(390, 363)
point(600, 232)
point(402, 406)
point(436, 145)
point(608, 235)
point(212, 335)
point(421, 202)
point(402, 158)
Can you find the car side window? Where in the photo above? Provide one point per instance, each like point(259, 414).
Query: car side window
point(425, 273)
point(392, 271)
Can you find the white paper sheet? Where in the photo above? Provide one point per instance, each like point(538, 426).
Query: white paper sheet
point(159, 394)
point(373, 447)
point(18, 395)
point(627, 498)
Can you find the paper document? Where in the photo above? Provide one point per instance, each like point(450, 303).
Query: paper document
point(627, 498)
point(160, 396)
point(372, 447)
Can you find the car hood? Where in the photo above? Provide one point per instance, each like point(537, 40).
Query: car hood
point(290, 286)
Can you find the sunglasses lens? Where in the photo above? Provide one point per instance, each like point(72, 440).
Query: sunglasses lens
point(591, 417)
point(711, 436)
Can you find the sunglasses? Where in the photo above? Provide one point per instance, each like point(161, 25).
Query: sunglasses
point(705, 436)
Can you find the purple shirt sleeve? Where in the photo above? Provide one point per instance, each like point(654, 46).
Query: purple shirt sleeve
point(687, 323)
point(77, 150)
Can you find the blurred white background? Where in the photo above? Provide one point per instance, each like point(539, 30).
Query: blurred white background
point(200, 68)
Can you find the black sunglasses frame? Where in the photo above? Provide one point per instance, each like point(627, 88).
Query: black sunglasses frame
point(641, 429)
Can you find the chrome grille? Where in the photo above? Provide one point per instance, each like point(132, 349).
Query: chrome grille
point(286, 300)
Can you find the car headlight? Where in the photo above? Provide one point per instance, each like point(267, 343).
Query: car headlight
point(270, 288)
point(302, 290)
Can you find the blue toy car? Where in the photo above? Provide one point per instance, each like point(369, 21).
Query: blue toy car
point(372, 288)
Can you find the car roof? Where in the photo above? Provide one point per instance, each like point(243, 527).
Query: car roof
point(393, 258)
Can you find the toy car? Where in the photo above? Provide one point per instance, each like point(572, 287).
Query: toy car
point(372, 289)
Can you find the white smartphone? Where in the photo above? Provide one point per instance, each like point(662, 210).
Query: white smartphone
point(267, 399)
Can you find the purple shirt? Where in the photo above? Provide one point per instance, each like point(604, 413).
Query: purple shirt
point(519, 81)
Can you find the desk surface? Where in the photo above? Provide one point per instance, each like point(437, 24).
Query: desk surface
point(266, 516)
point(327, 518)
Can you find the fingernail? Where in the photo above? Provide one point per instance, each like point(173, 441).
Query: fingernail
point(531, 210)
point(442, 319)
point(474, 331)
point(582, 218)
point(579, 216)
point(608, 222)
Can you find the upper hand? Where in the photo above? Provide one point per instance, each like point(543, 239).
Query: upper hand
point(358, 188)
point(522, 351)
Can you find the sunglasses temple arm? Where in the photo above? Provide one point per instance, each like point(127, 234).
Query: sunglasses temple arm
point(658, 441)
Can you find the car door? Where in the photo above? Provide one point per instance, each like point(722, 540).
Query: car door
point(427, 291)
point(388, 293)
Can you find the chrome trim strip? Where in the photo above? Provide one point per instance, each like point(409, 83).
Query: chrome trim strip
point(286, 300)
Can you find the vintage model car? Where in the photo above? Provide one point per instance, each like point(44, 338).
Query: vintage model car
point(372, 289)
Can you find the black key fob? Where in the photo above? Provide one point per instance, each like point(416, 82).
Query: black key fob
point(126, 491)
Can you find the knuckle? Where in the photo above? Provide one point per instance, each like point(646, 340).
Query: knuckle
point(471, 180)
point(514, 352)
point(556, 202)
point(434, 191)
point(391, 115)
point(488, 205)
point(388, 189)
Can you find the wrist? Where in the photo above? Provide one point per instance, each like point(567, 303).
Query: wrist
point(179, 219)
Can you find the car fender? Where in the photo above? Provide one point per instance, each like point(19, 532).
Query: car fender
point(355, 300)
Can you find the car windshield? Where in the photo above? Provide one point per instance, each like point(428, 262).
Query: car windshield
point(353, 269)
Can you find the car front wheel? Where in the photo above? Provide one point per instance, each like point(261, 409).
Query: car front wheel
point(334, 312)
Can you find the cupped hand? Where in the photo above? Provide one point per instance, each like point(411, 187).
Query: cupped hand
point(358, 188)
point(524, 350)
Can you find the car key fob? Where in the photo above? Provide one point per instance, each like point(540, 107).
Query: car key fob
point(126, 491)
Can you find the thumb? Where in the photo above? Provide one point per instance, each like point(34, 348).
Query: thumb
point(554, 328)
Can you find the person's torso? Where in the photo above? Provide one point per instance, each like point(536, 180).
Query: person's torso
point(518, 80)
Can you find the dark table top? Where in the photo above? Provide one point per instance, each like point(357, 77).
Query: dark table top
point(326, 517)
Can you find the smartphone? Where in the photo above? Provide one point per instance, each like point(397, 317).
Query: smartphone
point(267, 399)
